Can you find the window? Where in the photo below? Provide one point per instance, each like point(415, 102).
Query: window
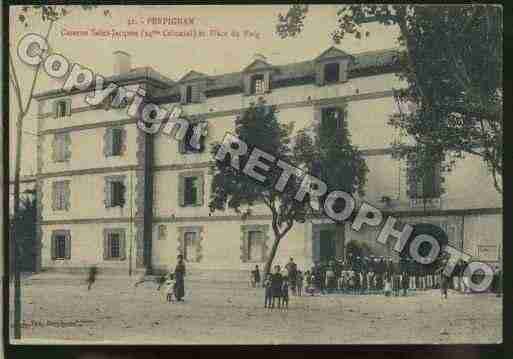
point(188, 94)
point(190, 188)
point(331, 73)
point(118, 194)
point(117, 138)
point(186, 146)
point(60, 196)
point(61, 144)
point(332, 118)
point(424, 185)
point(62, 108)
point(191, 191)
point(114, 191)
point(162, 232)
point(189, 240)
point(114, 141)
point(61, 245)
point(257, 84)
point(114, 244)
point(255, 245)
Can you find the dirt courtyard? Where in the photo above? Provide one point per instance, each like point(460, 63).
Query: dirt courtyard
point(114, 311)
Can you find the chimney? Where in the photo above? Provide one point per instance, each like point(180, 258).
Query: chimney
point(122, 62)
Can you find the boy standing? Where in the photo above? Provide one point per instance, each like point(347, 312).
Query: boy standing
point(268, 291)
point(285, 293)
point(299, 283)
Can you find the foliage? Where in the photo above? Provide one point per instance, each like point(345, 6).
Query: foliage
point(451, 59)
point(259, 128)
point(50, 12)
point(25, 229)
point(358, 249)
point(331, 156)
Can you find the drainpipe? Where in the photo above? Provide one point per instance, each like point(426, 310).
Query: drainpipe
point(148, 202)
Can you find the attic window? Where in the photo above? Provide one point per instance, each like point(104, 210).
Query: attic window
point(257, 84)
point(331, 72)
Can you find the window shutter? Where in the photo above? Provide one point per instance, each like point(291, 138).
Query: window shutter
point(106, 244)
point(66, 147)
point(343, 67)
point(196, 93)
point(319, 75)
point(123, 141)
point(55, 196)
point(181, 191)
point(200, 186)
point(67, 195)
point(246, 83)
point(68, 107)
point(412, 177)
point(183, 94)
point(108, 193)
point(267, 82)
point(244, 246)
point(68, 246)
point(55, 108)
point(122, 246)
point(53, 247)
point(107, 142)
point(123, 191)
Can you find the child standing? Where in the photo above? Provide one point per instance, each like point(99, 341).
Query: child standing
point(285, 293)
point(268, 291)
point(170, 286)
point(299, 283)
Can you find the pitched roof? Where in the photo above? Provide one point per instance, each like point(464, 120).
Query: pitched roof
point(192, 75)
point(257, 65)
point(331, 53)
point(364, 63)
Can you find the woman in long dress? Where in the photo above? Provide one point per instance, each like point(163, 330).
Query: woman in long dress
point(179, 279)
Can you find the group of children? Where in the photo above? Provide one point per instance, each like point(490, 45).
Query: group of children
point(276, 288)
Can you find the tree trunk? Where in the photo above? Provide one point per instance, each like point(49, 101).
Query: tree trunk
point(272, 254)
point(340, 237)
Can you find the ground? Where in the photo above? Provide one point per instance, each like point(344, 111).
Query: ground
point(59, 309)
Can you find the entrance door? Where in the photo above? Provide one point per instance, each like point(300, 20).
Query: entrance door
point(327, 245)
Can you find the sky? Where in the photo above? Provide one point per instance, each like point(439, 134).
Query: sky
point(175, 56)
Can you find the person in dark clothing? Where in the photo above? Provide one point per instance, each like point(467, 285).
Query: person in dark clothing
point(285, 293)
point(276, 284)
point(268, 291)
point(179, 279)
point(255, 276)
point(291, 268)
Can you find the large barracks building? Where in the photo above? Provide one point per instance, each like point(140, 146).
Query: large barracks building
point(111, 195)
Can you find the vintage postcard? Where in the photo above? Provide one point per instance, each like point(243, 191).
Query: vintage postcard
point(258, 174)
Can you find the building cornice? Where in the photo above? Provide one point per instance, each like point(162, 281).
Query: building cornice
point(214, 114)
point(263, 217)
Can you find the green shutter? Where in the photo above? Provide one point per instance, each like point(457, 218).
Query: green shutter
point(181, 190)
point(67, 195)
point(123, 141)
point(55, 108)
point(108, 193)
point(55, 196)
point(68, 245)
point(107, 142)
point(200, 193)
point(183, 94)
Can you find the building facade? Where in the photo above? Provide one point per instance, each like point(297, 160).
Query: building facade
point(111, 195)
